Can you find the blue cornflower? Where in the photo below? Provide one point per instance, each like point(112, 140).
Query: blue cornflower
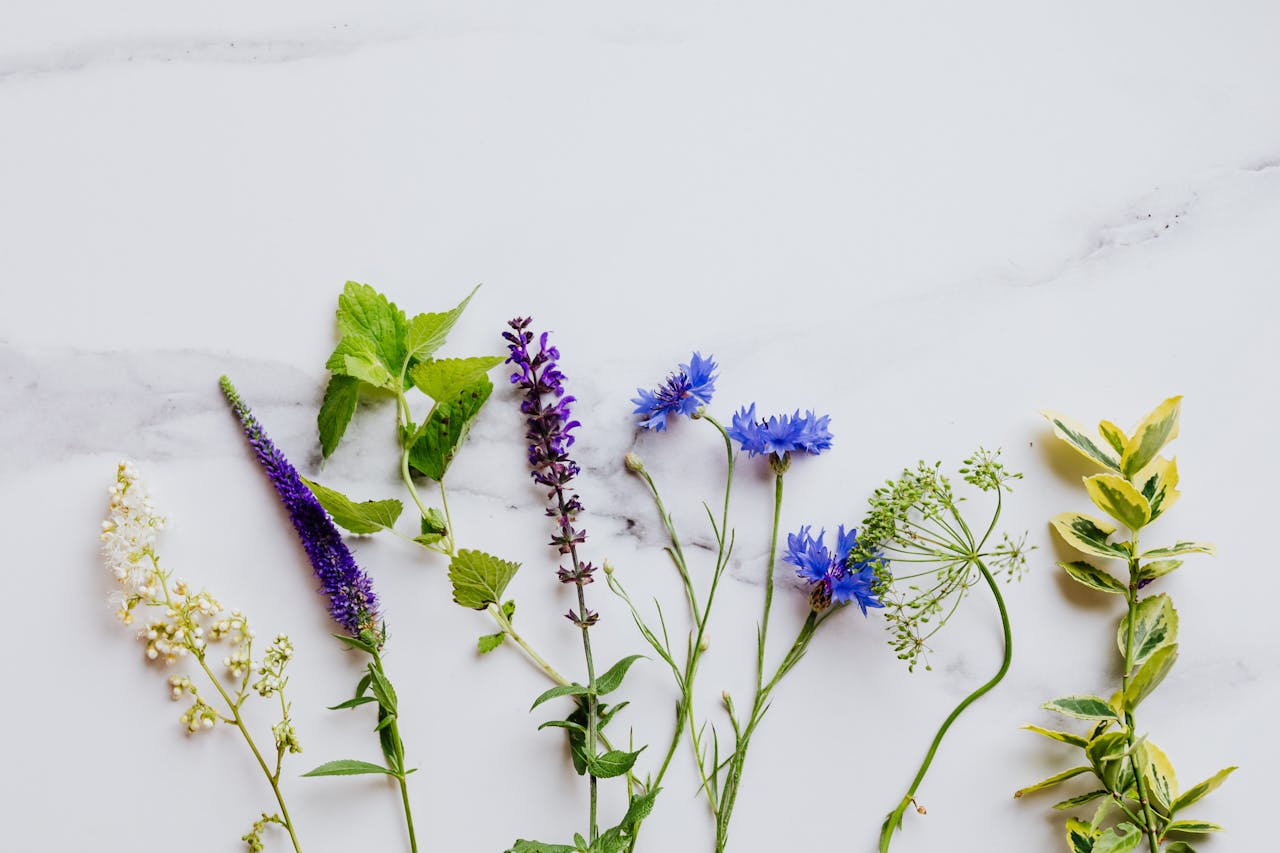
point(834, 576)
point(683, 393)
point(780, 434)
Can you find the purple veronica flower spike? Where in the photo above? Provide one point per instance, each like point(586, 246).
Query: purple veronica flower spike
point(780, 434)
point(352, 603)
point(833, 575)
point(683, 393)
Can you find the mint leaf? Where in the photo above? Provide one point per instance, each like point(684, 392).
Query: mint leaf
point(427, 332)
point(434, 528)
point(615, 762)
point(443, 433)
point(365, 517)
point(560, 690)
point(446, 378)
point(489, 642)
point(612, 679)
point(335, 412)
point(479, 579)
point(347, 767)
point(366, 313)
point(522, 846)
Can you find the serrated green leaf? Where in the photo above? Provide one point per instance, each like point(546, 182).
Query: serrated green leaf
point(1156, 430)
point(1196, 793)
point(640, 808)
point(479, 579)
point(1156, 569)
point(1149, 675)
point(1077, 435)
point(1061, 737)
point(1079, 836)
point(1118, 498)
point(434, 528)
point(363, 517)
point(1093, 577)
point(364, 312)
point(1193, 827)
point(1072, 802)
point(523, 846)
point(613, 763)
point(1122, 839)
point(348, 767)
point(1051, 781)
point(561, 690)
point(382, 689)
point(488, 642)
point(339, 404)
point(427, 332)
point(440, 437)
point(1181, 548)
point(1087, 534)
point(1082, 708)
point(444, 379)
point(612, 679)
point(1156, 626)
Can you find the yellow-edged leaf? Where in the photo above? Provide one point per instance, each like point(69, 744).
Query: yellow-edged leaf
point(1156, 430)
point(1114, 435)
point(1179, 548)
point(1093, 577)
point(1149, 675)
point(1194, 827)
point(1117, 497)
point(1078, 436)
point(1156, 626)
point(1158, 773)
point(1196, 793)
point(1051, 781)
point(1061, 737)
point(1088, 534)
point(1080, 836)
point(1158, 483)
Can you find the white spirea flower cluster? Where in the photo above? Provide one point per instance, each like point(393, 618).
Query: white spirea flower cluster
point(129, 536)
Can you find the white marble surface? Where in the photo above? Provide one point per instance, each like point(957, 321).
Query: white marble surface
point(929, 221)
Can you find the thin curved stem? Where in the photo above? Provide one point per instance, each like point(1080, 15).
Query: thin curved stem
point(894, 820)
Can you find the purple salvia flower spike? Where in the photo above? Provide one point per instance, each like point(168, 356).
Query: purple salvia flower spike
point(352, 603)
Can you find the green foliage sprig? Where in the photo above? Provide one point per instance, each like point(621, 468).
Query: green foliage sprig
point(1137, 795)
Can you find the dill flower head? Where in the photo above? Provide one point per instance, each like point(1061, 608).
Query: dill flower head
point(352, 603)
point(780, 435)
point(682, 393)
point(835, 576)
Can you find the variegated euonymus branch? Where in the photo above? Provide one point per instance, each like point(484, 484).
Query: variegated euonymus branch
point(1139, 797)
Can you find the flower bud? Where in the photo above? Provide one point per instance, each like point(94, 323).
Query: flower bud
point(633, 463)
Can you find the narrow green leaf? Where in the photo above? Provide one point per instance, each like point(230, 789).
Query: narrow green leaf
point(1196, 793)
point(444, 379)
point(366, 313)
point(357, 643)
point(363, 517)
point(1082, 707)
point(444, 432)
point(488, 642)
point(383, 690)
point(1181, 548)
point(352, 703)
point(479, 579)
point(1071, 803)
point(1077, 435)
point(1093, 577)
point(1087, 534)
point(1156, 626)
point(1061, 737)
point(1052, 780)
point(339, 404)
point(612, 679)
point(1118, 498)
point(613, 763)
point(1149, 675)
point(564, 724)
point(348, 767)
point(427, 332)
point(560, 690)
point(1156, 430)
point(1193, 827)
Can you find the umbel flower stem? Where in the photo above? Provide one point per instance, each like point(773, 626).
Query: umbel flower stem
point(894, 820)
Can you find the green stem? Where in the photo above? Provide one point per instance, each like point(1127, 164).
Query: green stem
point(894, 820)
point(397, 766)
point(1131, 597)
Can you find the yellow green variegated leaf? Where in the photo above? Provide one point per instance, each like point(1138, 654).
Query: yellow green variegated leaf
point(1062, 737)
point(1156, 430)
point(1073, 802)
point(1179, 847)
point(1180, 548)
point(1087, 534)
point(1156, 626)
point(1114, 435)
point(1149, 675)
point(1194, 827)
point(1121, 839)
point(1078, 436)
point(1117, 497)
point(1093, 577)
point(1158, 483)
point(1158, 773)
point(1196, 793)
point(1148, 572)
point(1051, 781)
point(1108, 755)
point(1082, 707)
point(1080, 836)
